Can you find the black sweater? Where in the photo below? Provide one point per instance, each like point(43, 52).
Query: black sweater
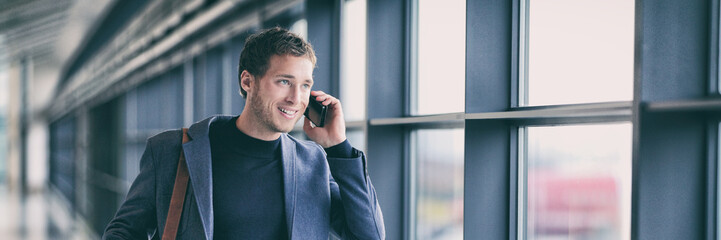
point(247, 173)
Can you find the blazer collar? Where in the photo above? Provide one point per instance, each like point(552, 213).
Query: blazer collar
point(289, 183)
point(197, 156)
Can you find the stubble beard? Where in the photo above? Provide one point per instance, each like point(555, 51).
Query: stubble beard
point(265, 115)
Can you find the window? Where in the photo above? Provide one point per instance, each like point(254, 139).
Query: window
point(159, 103)
point(440, 68)
point(152, 107)
point(577, 182)
point(437, 184)
point(576, 51)
point(237, 102)
point(356, 139)
point(213, 82)
point(62, 164)
point(300, 27)
point(353, 60)
point(199, 88)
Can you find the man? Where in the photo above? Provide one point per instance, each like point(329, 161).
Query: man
point(249, 179)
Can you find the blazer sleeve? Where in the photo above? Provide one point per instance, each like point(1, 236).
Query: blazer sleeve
point(136, 217)
point(355, 212)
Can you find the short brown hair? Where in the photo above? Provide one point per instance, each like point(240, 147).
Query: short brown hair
point(259, 47)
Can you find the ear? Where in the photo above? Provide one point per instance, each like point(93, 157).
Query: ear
point(246, 81)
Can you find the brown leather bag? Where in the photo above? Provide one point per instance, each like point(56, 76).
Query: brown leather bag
point(176, 202)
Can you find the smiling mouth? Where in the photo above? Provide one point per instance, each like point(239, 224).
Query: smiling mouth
point(288, 113)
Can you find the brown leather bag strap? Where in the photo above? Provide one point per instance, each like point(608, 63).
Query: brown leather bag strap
point(176, 202)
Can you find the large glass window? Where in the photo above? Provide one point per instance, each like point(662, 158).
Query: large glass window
point(577, 182)
point(62, 157)
point(577, 51)
point(437, 184)
point(152, 107)
point(356, 137)
point(353, 60)
point(159, 103)
point(199, 88)
point(441, 57)
point(300, 27)
point(237, 101)
point(213, 85)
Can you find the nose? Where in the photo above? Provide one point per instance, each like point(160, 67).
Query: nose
point(295, 95)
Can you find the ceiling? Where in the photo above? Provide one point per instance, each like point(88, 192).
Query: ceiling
point(31, 28)
point(46, 32)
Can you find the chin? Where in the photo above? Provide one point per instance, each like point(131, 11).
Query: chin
point(285, 128)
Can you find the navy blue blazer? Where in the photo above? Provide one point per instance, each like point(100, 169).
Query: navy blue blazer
point(322, 195)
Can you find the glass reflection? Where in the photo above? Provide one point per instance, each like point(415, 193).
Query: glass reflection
point(357, 138)
point(578, 182)
point(441, 67)
point(579, 51)
point(437, 186)
point(300, 27)
point(353, 60)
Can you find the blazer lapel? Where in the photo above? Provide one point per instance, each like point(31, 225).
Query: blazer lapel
point(289, 182)
point(197, 155)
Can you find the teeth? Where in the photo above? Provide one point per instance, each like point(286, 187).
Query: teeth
point(287, 111)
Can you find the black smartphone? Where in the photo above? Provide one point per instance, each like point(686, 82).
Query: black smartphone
point(315, 112)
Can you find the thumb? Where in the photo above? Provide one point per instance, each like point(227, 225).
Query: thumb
point(307, 125)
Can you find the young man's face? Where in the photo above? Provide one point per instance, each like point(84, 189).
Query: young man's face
point(280, 97)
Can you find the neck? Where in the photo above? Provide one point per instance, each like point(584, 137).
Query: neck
point(250, 127)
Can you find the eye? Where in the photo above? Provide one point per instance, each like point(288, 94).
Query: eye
point(306, 86)
point(284, 82)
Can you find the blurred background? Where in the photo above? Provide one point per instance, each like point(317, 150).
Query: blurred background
point(524, 119)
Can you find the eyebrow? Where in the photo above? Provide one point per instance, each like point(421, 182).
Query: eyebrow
point(292, 77)
point(285, 76)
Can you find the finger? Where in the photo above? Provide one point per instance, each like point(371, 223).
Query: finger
point(330, 100)
point(327, 102)
point(317, 93)
point(307, 125)
point(326, 99)
point(323, 97)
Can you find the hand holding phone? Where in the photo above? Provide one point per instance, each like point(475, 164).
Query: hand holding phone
point(327, 113)
point(316, 112)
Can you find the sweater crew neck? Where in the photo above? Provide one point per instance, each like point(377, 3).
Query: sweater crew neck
point(232, 138)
